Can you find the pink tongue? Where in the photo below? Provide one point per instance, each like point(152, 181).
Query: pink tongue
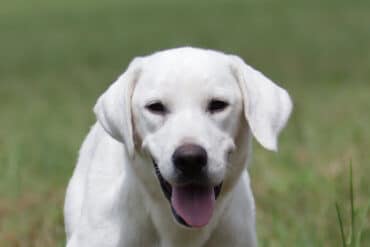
point(193, 203)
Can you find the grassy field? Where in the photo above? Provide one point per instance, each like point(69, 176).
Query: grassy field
point(57, 57)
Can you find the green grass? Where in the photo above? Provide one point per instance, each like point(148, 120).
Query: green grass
point(57, 57)
point(355, 231)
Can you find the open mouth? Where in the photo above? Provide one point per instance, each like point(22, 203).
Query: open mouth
point(192, 204)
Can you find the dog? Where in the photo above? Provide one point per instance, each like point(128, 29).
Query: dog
point(165, 164)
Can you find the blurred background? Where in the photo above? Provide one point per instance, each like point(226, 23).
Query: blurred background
point(57, 57)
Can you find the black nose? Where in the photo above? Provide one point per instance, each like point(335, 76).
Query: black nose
point(189, 159)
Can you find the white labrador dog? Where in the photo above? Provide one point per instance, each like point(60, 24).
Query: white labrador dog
point(165, 164)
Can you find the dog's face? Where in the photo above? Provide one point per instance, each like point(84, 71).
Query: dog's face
point(186, 114)
point(183, 107)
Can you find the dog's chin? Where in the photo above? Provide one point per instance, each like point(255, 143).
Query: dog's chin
point(191, 204)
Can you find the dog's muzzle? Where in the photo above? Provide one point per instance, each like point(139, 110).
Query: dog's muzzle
point(192, 198)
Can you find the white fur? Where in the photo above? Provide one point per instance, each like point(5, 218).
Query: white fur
point(114, 197)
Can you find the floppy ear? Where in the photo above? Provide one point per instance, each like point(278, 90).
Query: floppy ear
point(266, 106)
point(113, 108)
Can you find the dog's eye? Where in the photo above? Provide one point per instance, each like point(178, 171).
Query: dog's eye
point(216, 106)
point(156, 108)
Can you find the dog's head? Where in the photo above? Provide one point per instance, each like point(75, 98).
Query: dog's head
point(184, 108)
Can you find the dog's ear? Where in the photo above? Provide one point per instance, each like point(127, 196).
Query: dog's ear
point(113, 108)
point(266, 106)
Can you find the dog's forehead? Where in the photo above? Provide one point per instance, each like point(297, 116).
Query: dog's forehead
point(187, 70)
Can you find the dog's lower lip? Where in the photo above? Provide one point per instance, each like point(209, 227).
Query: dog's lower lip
point(167, 191)
point(166, 187)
